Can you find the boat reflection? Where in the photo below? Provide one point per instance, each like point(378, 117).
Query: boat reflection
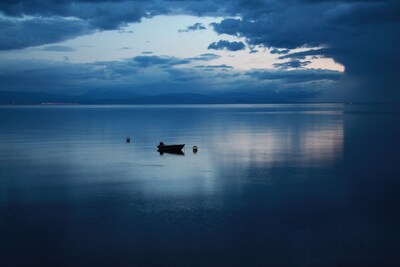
point(179, 153)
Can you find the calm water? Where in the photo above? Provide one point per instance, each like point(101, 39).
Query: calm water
point(271, 185)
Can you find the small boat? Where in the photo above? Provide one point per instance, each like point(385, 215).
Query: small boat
point(170, 148)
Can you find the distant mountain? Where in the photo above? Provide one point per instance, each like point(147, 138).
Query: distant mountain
point(109, 94)
point(126, 97)
point(176, 99)
point(31, 98)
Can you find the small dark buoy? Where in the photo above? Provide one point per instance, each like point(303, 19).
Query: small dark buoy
point(195, 149)
point(128, 139)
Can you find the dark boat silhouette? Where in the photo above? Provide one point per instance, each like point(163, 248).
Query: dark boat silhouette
point(170, 148)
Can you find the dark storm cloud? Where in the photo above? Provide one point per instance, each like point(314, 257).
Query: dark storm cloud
point(195, 27)
point(226, 45)
point(361, 35)
point(292, 64)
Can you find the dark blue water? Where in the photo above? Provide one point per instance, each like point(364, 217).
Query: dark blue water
point(271, 185)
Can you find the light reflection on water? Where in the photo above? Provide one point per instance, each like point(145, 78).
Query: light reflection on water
point(88, 144)
point(269, 184)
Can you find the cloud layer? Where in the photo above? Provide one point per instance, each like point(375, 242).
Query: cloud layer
point(361, 35)
point(149, 75)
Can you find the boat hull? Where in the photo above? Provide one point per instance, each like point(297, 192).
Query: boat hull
point(168, 148)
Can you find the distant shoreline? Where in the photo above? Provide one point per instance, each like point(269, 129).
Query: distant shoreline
point(195, 104)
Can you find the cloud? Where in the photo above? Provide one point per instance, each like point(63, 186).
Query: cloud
point(146, 61)
point(195, 27)
point(296, 76)
point(205, 57)
point(361, 35)
point(322, 52)
point(25, 32)
point(104, 15)
point(226, 45)
point(292, 64)
point(150, 75)
point(58, 48)
point(32, 23)
point(167, 62)
point(145, 75)
point(228, 26)
point(211, 67)
point(279, 51)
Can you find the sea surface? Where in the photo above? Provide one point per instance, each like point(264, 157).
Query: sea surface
point(270, 185)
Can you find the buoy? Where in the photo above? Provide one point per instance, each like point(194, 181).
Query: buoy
point(128, 139)
point(195, 149)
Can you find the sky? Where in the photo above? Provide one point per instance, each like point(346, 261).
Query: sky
point(329, 50)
